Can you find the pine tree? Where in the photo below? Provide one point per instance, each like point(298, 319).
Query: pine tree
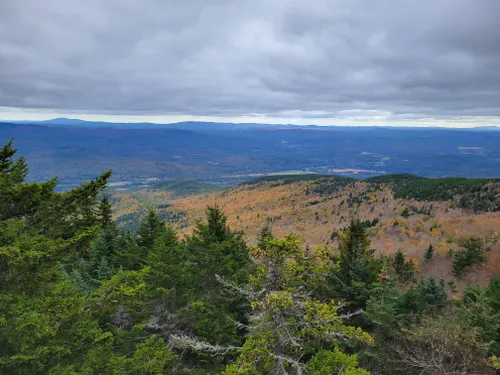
point(215, 250)
point(18, 199)
point(149, 230)
point(104, 270)
point(169, 274)
point(106, 211)
point(16, 170)
point(265, 234)
point(429, 253)
point(42, 321)
point(358, 270)
point(404, 269)
point(471, 254)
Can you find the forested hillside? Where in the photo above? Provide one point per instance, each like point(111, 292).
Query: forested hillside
point(242, 294)
point(398, 212)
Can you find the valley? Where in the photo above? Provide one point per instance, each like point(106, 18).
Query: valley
point(229, 154)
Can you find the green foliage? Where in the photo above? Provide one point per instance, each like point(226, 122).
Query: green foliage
point(126, 289)
point(87, 272)
point(393, 178)
point(180, 188)
point(358, 271)
point(105, 211)
point(286, 322)
point(334, 362)
point(404, 269)
point(265, 234)
point(214, 251)
point(18, 199)
point(322, 180)
point(330, 185)
point(150, 229)
point(169, 274)
point(134, 254)
point(405, 213)
point(370, 223)
point(429, 253)
point(391, 310)
point(392, 313)
point(437, 189)
point(151, 357)
point(477, 194)
point(471, 254)
point(480, 309)
point(80, 296)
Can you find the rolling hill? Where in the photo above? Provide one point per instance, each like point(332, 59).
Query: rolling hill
point(398, 215)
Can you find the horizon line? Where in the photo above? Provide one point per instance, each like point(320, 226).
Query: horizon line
point(253, 122)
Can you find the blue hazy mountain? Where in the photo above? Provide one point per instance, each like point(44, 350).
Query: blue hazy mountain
point(76, 150)
point(187, 125)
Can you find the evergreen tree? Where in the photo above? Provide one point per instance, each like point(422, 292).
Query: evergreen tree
point(18, 199)
point(405, 213)
point(471, 254)
point(286, 325)
point(403, 268)
point(214, 251)
point(150, 229)
point(265, 234)
point(43, 325)
point(217, 250)
point(429, 253)
point(169, 269)
point(106, 211)
point(135, 256)
point(358, 270)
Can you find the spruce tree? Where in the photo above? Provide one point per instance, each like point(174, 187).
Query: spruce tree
point(358, 269)
point(429, 253)
point(403, 268)
point(214, 250)
point(265, 234)
point(43, 325)
point(18, 199)
point(149, 230)
point(169, 274)
point(105, 211)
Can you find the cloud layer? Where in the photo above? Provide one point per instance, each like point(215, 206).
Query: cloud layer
point(397, 60)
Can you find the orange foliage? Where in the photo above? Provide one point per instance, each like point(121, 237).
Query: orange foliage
point(289, 208)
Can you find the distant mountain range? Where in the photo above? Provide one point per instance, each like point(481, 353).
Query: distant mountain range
point(193, 125)
point(189, 125)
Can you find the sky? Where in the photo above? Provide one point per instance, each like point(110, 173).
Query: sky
point(322, 62)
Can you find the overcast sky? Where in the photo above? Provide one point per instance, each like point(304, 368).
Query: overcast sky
point(370, 62)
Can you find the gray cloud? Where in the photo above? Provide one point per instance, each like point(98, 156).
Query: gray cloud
point(430, 58)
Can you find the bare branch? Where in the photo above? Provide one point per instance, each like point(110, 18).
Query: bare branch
point(183, 341)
